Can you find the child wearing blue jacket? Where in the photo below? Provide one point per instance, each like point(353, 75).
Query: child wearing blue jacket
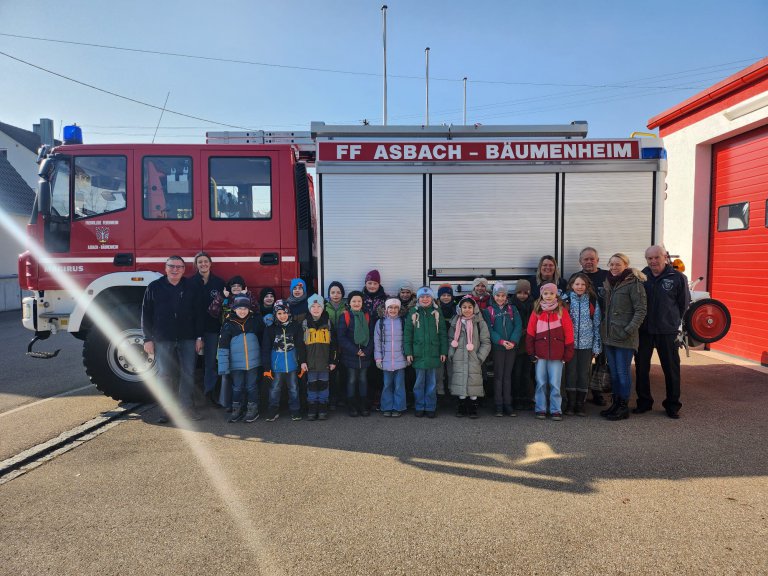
point(281, 349)
point(239, 356)
point(506, 327)
point(388, 352)
point(584, 309)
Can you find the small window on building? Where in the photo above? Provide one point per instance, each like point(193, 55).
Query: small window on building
point(241, 188)
point(733, 217)
point(167, 187)
point(100, 184)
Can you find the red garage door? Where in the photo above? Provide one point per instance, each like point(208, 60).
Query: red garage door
point(739, 242)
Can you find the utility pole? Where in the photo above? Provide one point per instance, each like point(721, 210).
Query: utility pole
point(426, 53)
point(384, 22)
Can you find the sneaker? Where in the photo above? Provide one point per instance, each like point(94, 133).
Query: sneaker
point(273, 415)
point(431, 414)
point(387, 413)
point(541, 415)
point(162, 419)
point(396, 414)
point(194, 415)
point(252, 414)
point(419, 413)
point(311, 416)
point(509, 411)
point(365, 412)
point(498, 413)
point(322, 416)
point(296, 416)
point(557, 416)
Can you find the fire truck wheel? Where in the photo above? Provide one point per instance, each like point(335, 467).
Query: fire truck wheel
point(707, 320)
point(116, 368)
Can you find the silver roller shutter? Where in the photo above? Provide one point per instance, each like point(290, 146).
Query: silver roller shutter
point(611, 212)
point(372, 221)
point(501, 221)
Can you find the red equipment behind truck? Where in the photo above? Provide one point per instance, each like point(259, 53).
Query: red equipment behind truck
point(426, 205)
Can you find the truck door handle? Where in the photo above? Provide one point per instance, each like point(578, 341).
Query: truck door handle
point(269, 259)
point(123, 259)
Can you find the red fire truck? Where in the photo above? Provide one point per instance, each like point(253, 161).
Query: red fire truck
point(426, 205)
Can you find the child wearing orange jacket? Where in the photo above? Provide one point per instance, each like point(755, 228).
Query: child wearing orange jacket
point(550, 346)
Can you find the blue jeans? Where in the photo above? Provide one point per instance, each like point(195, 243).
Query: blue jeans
point(619, 361)
point(176, 366)
point(548, 372)
point(357, 381)
point(210, 345)
point(317, 388)
point(425, 389)
point(249, 378)
point(292, 380)
point(393, 394)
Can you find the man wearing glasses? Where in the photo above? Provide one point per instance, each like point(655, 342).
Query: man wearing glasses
point(173, 332)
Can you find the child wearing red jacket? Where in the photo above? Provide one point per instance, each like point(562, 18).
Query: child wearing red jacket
point(550, 346)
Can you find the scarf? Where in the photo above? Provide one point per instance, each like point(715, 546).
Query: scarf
point(470, 326)
point(549, 306)
point(293, 300)
point(616, 280)
point(362, 334)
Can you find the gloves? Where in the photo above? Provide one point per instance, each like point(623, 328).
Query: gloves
point(532, 358)
point(268, 375)
point(379, 365)
point(302, 372)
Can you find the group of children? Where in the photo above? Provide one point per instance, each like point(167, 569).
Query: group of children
point(304, 343)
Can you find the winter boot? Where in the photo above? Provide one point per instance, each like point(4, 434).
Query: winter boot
point(597, 399)
point(312, 411)
point(461, 407)
point(580, 398)
point(622, 411)
point(472, 408)
point(614, 405)
point(237, 412)
point(322, 411)
point(352, 405)
point(252, 413)
point(570, 402)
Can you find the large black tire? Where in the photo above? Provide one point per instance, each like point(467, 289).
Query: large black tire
point(707, 320)
point(106, 362)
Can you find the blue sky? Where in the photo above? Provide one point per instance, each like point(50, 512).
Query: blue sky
point(613, 63)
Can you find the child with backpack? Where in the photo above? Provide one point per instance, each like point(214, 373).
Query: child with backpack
point(281, 348)
point(319, 357)
point(355, 333)
point(426, 348)
point(388, 353)
point(505, 328)
point(469, 347)
point(550, 345)
point(239, 356)
point(584, 310)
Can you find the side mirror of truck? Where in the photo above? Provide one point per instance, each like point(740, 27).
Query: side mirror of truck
point(44, 198)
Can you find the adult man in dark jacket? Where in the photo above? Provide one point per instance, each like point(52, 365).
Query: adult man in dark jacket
point(668, 299)
point(173, 325)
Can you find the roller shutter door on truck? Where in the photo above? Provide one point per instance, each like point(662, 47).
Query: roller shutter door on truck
point(372, 221)
point(738, 273)
point(491, 221)
point(610, 211)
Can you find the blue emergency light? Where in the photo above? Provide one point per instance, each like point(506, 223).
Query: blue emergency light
point(653, 153)
point(73, 134)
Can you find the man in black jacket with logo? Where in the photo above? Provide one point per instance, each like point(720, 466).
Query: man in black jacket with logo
point(172, 322)
point(668, 299)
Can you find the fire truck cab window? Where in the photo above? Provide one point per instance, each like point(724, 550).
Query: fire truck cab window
point(99, 185)
point(241, 188)
point(167, 187)
point(60, 190)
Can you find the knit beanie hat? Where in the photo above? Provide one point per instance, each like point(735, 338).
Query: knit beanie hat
point(522, 286)
point(425, 291)
point(392, 302)
point(548, 286)
point(282, 305)
point(315, 299)
point(479, 280)
point(295, 282)
point(241, 302)
point(264, 292)
point(499, 288)
point(373, 275)
point(444, 289)
point(236, 280)
point(407, 286)
point(339, 284)
point(355, 293)
point(468, 323)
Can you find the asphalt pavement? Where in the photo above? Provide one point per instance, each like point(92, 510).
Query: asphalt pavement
point(648, 495)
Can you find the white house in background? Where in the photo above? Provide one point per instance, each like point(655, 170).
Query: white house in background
point(715, 213)
point(18, 181)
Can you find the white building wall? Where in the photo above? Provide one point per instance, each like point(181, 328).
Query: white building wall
point(21, 158)
point(10, 295)
point(689, 178)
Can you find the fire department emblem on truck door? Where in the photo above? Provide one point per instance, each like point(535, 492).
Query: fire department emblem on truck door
point(102, 234)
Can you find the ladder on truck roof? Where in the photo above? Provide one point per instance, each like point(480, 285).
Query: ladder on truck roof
point(302, 142)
